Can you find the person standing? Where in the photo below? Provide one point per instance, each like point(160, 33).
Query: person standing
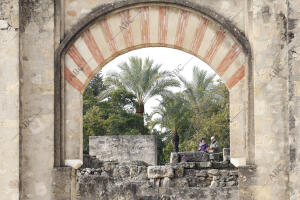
point(203, 146)
point(214, 149)
point(214, 146)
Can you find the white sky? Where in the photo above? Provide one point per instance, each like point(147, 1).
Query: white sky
point(170, 60)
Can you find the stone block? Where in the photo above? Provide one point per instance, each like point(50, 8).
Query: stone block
point(230, 178)
point(224, 172)
point(179, 171)
point(226, 154)
point(62, 178)
point(188, 165)
point(109, 166)
point(200, 165)
point(155, 172)
point(213, 172)
point(193, 157)
point(121, 171)
point(201, 173)
point(166, 182)
point(231, 183)
point(214, 184)
point(222, 184)
point(233, 173)
point(216, 178)
point(124, 148)
point(181, 182)
point(174, 158)
point(190, 172)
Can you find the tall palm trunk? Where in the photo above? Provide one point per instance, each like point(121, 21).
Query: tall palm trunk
point(175, 141)
point(140, 109)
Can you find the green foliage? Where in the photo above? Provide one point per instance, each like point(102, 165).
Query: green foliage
point(143, 79)
point(160, 137)
point(93, 92)
point(97, 85)
point(206, 114)
point(167, 151)
point(213, 122)
point(113, 116)
point(174, 114)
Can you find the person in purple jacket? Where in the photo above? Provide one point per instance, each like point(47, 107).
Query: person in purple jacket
point(203, 146)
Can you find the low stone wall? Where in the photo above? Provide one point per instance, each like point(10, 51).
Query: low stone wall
point(136, 180)
point(124, 148)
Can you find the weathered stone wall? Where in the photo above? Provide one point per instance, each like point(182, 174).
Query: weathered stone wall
point(293, 30)
point(233, 10)
point(137, 180)
point(37, 98)
point(269, 39)
point(9, 99)
point(124, 148)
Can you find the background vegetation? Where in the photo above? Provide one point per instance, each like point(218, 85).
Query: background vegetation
point(115, 106)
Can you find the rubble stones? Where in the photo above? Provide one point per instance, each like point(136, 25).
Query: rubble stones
point(137, 180)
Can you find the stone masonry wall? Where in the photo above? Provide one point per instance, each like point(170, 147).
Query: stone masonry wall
point(9, 99)
point(37, 98)
point(136, 180)
point(124, 148)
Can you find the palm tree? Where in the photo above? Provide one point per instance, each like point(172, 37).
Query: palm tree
point(143, 79)
point(199, 93)
point(174, 115)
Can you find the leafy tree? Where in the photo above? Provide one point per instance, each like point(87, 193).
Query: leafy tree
point(94, 93)
point(143, 79)
point(215, 122)
point(174, 116)
point(161, 145)
point(97, 84)
point(199, 93)
point(113, 116)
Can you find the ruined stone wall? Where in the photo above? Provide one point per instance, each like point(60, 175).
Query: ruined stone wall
point(136, 180)
point(9, 99)
point(124, 148)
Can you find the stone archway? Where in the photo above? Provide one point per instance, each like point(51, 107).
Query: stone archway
point(35, 36)
point(114, 30)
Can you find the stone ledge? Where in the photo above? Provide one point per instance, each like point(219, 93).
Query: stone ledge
point(188, 157)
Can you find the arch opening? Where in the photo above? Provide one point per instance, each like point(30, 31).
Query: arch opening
point(154, 25)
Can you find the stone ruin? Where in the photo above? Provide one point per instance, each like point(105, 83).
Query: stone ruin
point(190, 175)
